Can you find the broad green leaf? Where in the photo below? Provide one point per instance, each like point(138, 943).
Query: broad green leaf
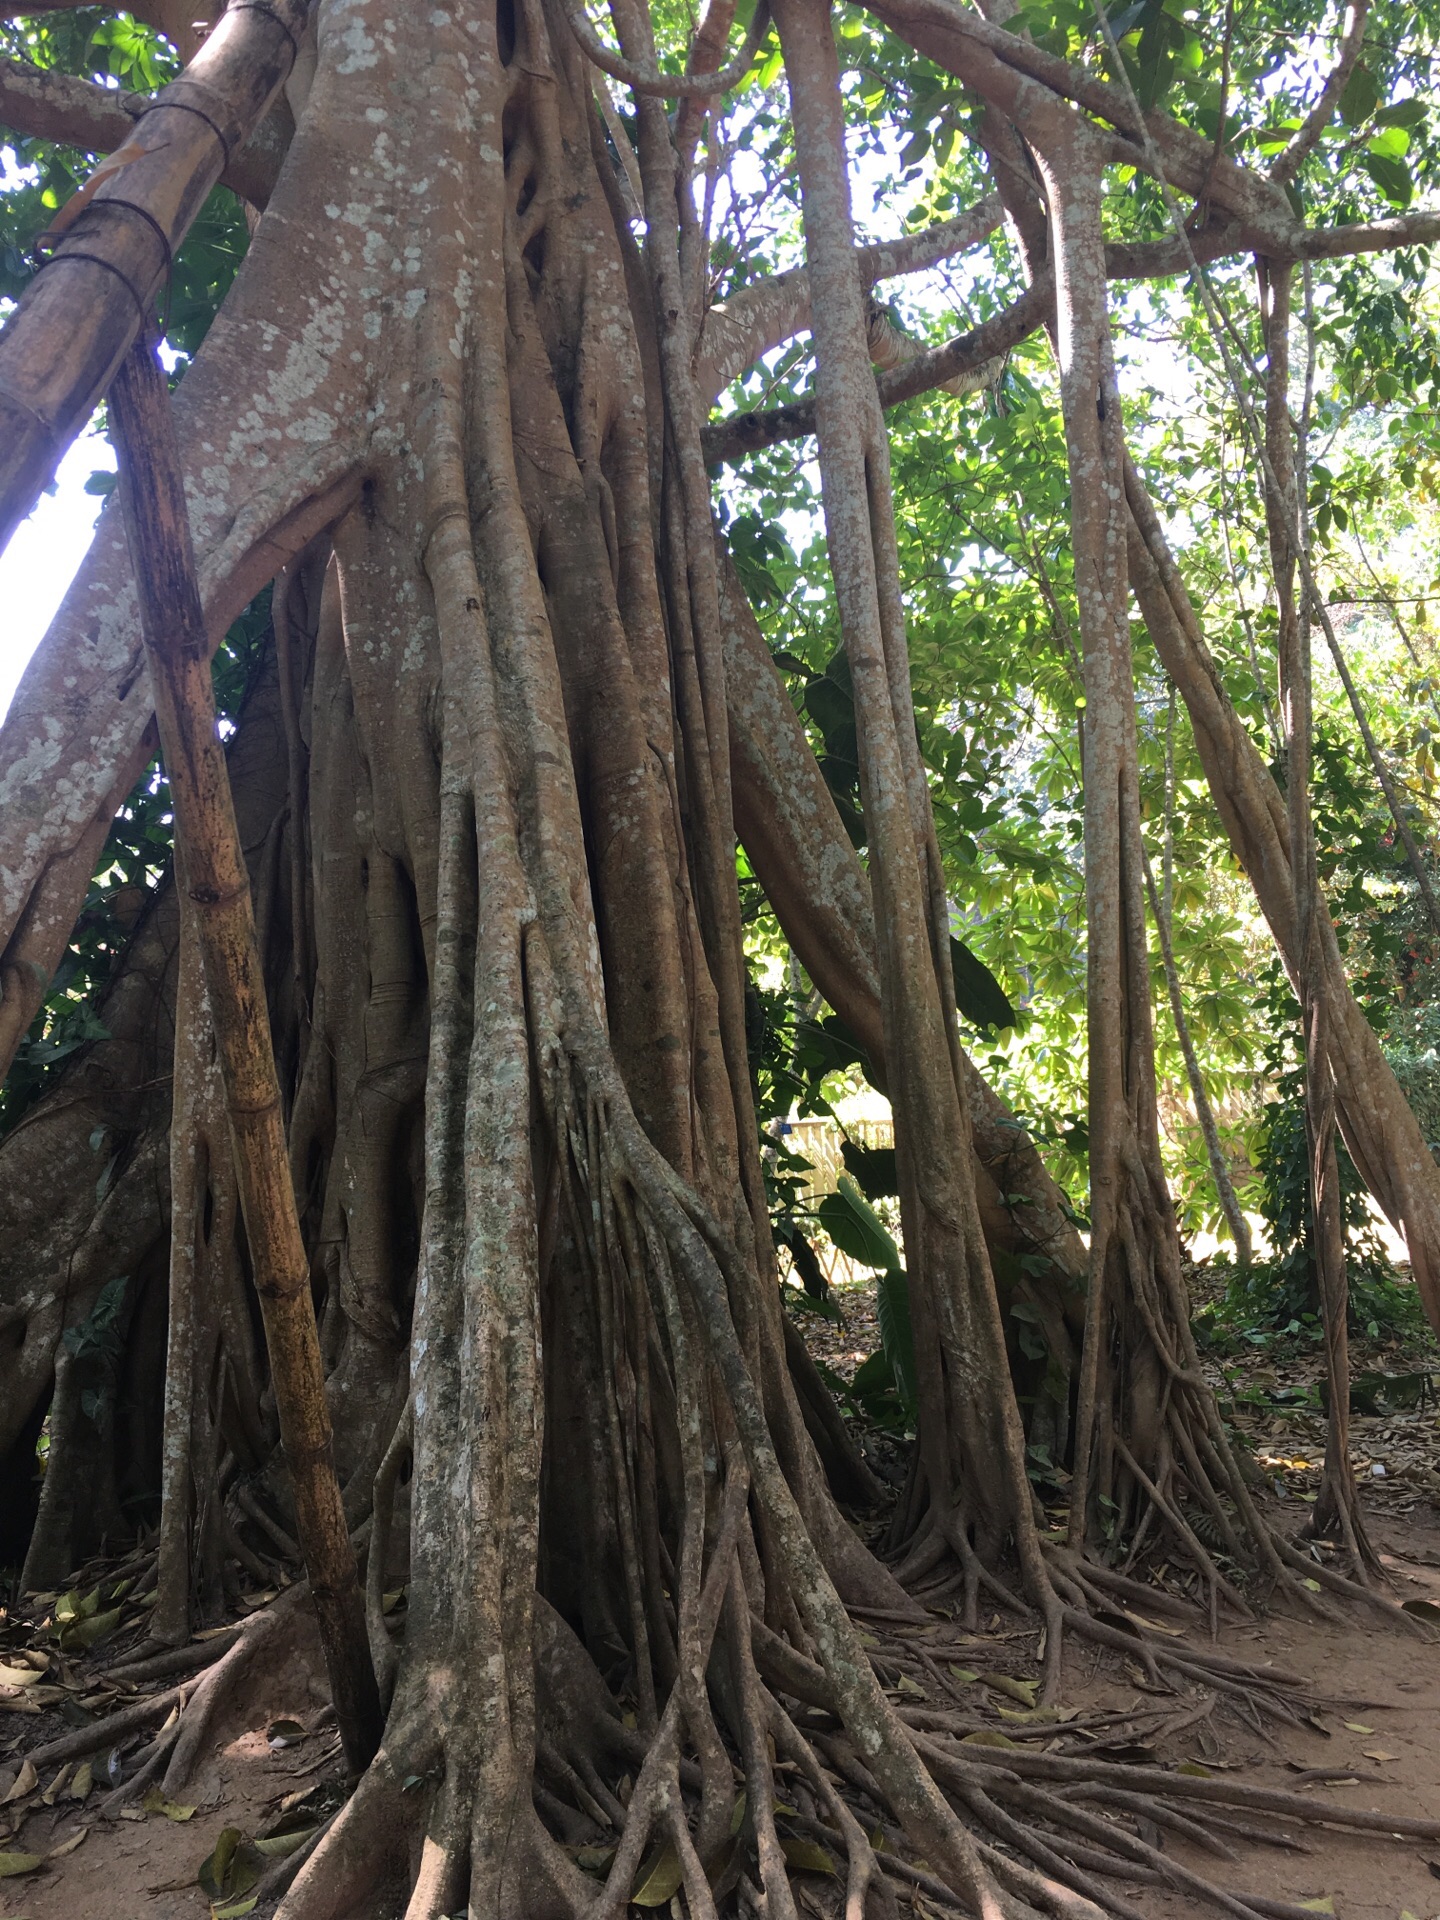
point(855, 1227)
point(892, 1299)
point(1390, 143)
point(805, 1856)
point(872, 1169)
point(232, 1868)
point(89, 1632)
point(277, 1846)
point(659, 1878)
point(1360, 98)
point(1391, 176)
point(14, 1864)
point(979, 996)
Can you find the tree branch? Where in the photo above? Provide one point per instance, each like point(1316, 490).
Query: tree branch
point(737, 332)
point(184, 23)
point(42, 104)
point(747, 433)
point(53, 365)
point(1319, 116)
point(969, 46)
point(1370, 236)
point(708, 84)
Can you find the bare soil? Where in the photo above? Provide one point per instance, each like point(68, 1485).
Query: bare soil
point(1374, 1691)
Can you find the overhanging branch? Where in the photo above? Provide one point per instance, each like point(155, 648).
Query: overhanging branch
point(747, 433)
point(43, 104)
point(738, 332)
point(1320, 115)
point(962, 42)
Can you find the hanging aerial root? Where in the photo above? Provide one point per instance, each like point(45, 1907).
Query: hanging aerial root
point(658, 1787)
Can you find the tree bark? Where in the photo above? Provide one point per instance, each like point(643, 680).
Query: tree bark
point(107, 262)
point(218, 886)
point(1378, 1126)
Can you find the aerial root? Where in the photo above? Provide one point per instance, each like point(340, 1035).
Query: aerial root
point(220, 1683)
point(357, 1853)
point(1057, 1835)
point(151, 1761)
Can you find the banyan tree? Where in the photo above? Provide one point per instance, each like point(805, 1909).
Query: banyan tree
point(426, 1120)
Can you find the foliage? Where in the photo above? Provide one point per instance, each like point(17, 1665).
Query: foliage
point(1277, 1295)
point(1412, 1046)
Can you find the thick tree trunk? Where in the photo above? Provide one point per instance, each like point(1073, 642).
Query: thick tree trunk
point(788, 824)
point(506, 1005)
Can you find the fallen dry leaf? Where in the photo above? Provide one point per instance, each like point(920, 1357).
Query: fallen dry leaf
point(26, 1781)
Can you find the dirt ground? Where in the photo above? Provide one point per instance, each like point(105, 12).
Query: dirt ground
point(1375, 1694)
point(1373, 1740)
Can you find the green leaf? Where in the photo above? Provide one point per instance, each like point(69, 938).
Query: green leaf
point(1390, 143)
point(855, 1227)
point(659, 1878)
point(805, 1856)
point(1403, 113)
point(1360, 98)
point(1391, 176)
point(88, 1633)
point(872, 1169)
point(14, 1864)
point(595, 1860)
point(915, 148)
point(979, 996)
point(874, 1375)
point(892, 1299)
point(277, 1846)
point(232, 1868)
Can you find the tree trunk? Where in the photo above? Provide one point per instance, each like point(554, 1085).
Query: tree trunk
point(504, 975)
point(1379, 1128)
